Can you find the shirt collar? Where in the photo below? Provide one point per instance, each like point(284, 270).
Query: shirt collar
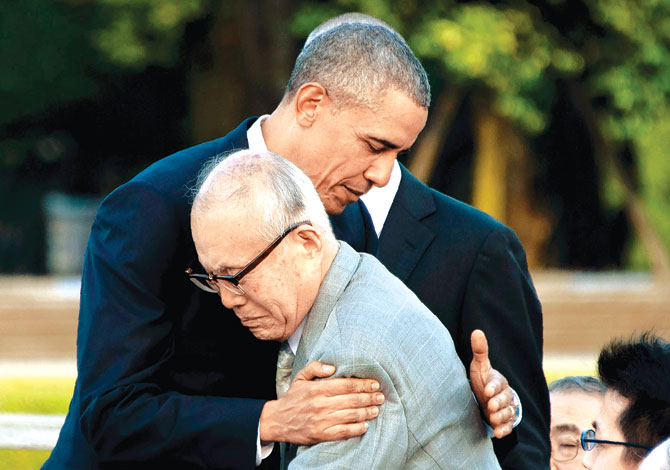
point(255, 135)
point(294, 339)
point(379, 200)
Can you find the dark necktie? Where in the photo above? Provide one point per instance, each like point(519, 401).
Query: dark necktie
point(354, 226)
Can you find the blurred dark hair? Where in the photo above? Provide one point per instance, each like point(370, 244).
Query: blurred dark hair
point(639, 370)
point(578, 383)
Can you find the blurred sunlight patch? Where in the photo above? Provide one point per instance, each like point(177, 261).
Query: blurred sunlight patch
point(50, 395)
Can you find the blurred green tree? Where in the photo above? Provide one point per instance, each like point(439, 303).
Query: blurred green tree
point(46, 57)
point(56, 52)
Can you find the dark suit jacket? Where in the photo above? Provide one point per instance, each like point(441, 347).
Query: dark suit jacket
point(471, 272)
point(168, 378)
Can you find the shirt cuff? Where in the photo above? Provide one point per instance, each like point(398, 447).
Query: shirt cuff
point(262, 450)
point(518, 409)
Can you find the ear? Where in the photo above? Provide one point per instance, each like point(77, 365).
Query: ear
point(309, 241)
point(310, 99)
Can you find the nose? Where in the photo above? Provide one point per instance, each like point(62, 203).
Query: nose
point(379, 171)
point(230, 300)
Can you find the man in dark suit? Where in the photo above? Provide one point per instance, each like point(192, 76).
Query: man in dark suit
point(166, 375)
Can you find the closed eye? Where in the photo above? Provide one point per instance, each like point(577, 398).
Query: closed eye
point(568, 446)
point(374, 149)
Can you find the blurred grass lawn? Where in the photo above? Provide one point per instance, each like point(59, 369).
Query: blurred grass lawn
point(52, 396)
point(32, 395)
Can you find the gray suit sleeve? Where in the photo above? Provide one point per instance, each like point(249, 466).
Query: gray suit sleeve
point(384, 445)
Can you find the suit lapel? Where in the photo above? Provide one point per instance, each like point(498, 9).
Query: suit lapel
point(337, 278)
point(405, 237)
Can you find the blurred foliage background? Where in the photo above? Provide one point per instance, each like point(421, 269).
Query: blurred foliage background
point(550, 115)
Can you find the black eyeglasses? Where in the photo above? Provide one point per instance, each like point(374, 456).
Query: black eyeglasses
point(589, 441)
point(211, 282)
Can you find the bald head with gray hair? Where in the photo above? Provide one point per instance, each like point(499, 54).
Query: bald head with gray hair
point(356, 63)
point(280, 193)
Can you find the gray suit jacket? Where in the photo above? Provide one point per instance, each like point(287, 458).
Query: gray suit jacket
point(367, 323)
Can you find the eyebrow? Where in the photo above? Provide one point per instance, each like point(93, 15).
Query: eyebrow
point(219, 268)
point(565, 427)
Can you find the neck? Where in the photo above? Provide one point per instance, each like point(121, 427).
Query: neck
point(330, 249)
point(277, 130)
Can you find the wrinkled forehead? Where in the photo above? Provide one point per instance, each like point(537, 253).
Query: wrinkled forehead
point(394, 117)
point(225, 225)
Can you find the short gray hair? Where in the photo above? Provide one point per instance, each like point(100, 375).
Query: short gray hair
point(357, 63)
point(578, 383)
point(263, 181)
point(347, 18)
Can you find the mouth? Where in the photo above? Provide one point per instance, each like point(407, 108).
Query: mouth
point(355, 192)
point(248, 322)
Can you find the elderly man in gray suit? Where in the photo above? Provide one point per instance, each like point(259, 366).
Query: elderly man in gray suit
point(259, 224)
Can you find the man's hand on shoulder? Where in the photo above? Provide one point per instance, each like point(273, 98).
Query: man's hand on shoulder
point(313, 411)
point(495, 396)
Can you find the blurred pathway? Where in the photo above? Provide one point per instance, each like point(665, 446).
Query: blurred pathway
point(582, 311)
point(25, 431)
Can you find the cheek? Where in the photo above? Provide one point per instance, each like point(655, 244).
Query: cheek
point(604, 461)
point(275, 292)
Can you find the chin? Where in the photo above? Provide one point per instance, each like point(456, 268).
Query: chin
point(334, 207)
point(332, 204)
point(264, 335)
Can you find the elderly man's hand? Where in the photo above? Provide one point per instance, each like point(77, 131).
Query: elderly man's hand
point(314, 411)
point(493, 393)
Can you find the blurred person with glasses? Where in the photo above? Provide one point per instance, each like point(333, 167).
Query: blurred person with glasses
point(635, 411)
point(575, 402)
point(326, 302)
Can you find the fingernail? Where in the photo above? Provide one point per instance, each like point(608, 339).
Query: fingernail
point(375, 411)
point(375, 386)
point(366, 425)
point(379, 398)
point(327, 368)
